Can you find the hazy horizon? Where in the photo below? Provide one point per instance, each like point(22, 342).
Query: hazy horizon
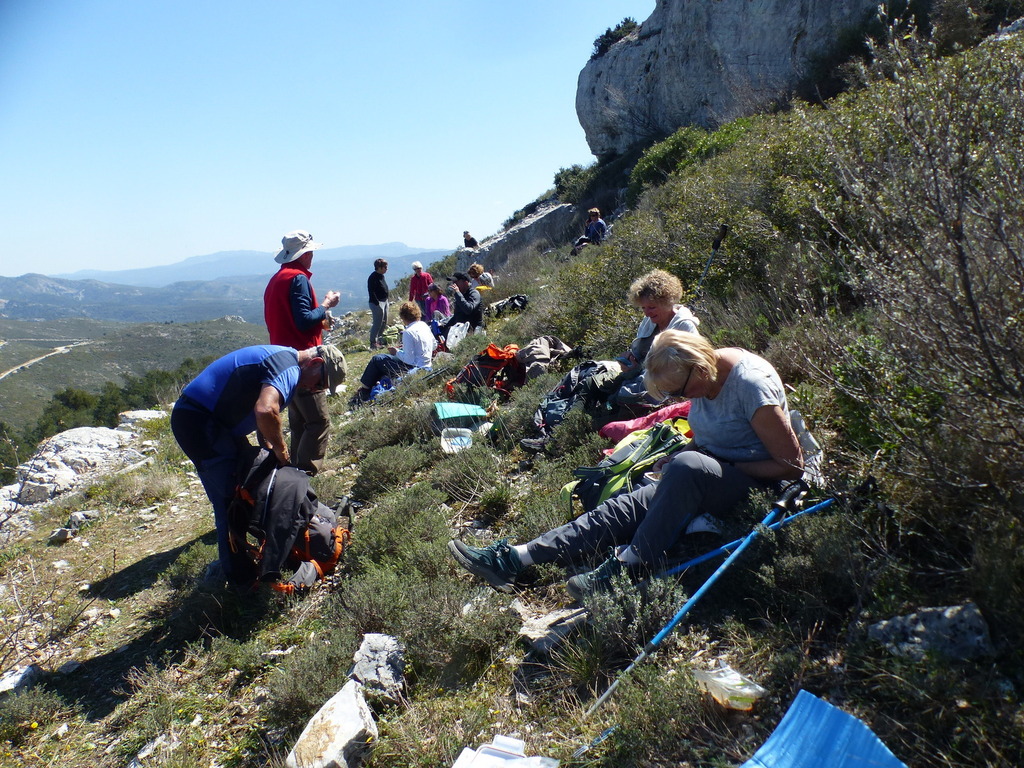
point(147, 133)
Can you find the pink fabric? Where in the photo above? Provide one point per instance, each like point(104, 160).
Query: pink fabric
point(616, 430)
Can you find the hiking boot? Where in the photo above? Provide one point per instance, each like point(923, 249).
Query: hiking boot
point(534, 444)
point(497, 564)
point(583, 585)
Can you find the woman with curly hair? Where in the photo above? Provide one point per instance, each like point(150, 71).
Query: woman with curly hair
point(478, 277)
point(657, 294)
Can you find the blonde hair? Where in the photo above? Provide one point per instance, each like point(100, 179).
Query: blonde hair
point(409, 312)
point(674, 354)
point(475, 270)
point(658, 286)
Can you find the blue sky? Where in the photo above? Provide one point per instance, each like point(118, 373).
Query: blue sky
point(145, 132)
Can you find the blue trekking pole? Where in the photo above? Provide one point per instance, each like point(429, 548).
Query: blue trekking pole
point(726, 548)
point(788, 498)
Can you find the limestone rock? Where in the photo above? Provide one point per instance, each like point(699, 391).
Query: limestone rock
point(130, 420)
point(379, 665)
point(550, 224)
point(19, 678)
point(546, 631)
point(705, 64)
point(956, 632)
point(339, 735)
point(66, 459)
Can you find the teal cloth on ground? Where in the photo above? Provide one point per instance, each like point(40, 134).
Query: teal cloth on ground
point(813, 734)
point(447, 411)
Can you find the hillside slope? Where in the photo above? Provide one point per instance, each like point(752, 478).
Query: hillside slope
point(873, 258)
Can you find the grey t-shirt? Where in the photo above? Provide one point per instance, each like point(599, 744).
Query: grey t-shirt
point(722, 425)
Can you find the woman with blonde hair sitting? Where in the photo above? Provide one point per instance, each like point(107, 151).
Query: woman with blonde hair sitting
point(742, 442)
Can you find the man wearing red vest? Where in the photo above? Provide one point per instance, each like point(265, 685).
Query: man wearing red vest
point(295, 319)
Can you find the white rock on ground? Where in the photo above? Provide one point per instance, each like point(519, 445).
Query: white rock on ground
point(339, 735)
point(379, 665)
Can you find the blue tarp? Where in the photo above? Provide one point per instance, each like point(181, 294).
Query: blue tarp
point(814, 734)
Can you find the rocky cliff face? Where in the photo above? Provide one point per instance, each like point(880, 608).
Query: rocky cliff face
point(698, 62)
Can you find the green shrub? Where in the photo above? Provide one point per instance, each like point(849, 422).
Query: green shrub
point(311, 675)
point(465, 477)
point(136, 490)
point(185, 570)
point(687, 146)
point(404, 530)
point(28, 712)
point(387, 468)
point(427, 615)
point(373, 427)
point(612, 35)
point(572, 184)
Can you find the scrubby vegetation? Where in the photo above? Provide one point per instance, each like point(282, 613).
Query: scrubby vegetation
point(874, 258)
point(612, 35)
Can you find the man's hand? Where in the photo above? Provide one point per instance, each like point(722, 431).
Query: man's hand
point(331, 299)
point(269, 422)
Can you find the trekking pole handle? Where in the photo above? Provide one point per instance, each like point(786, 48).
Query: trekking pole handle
point(791, 497)
point(722, 232)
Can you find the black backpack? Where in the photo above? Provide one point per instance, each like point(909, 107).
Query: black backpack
point(275, 521)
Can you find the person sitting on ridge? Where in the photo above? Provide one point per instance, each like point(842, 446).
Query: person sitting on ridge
point(742, 442)
point(469, 241)
point(438, 309)
point(415, 352)
point(468, 306)
point(593, 233)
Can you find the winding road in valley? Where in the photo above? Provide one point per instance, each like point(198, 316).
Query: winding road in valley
point(56, 351)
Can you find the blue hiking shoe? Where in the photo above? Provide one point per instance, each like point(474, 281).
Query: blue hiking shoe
point(497, 564)
point(582, 585)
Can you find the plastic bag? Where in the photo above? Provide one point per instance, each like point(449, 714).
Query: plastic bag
point(729, 688)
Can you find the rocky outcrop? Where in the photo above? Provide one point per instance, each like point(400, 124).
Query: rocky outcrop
point(550, 224)
point(954, 632)
point(68, 461)
point(704, 63)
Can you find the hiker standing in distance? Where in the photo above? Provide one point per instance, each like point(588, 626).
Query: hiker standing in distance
point(295, 319)
point(418, 285)
point(377, 288)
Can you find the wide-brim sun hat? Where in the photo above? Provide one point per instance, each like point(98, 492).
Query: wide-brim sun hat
point(335, 368)
point(294, 245)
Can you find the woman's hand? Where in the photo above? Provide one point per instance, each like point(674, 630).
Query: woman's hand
point(771, 424)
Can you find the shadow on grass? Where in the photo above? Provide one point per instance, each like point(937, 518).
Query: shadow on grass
point(189, 615)
point(143, 574)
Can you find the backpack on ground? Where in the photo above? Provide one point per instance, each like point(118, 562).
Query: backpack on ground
point(515, 303)
point(587, 381)
point(623, 470)
point(495, 368)
point(276, 522)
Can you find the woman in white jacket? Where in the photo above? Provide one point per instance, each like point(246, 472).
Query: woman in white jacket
point(417, 351)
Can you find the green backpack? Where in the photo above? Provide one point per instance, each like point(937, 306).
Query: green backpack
point(623, 470)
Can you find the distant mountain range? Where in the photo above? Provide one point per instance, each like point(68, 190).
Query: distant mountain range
point(199, 288)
